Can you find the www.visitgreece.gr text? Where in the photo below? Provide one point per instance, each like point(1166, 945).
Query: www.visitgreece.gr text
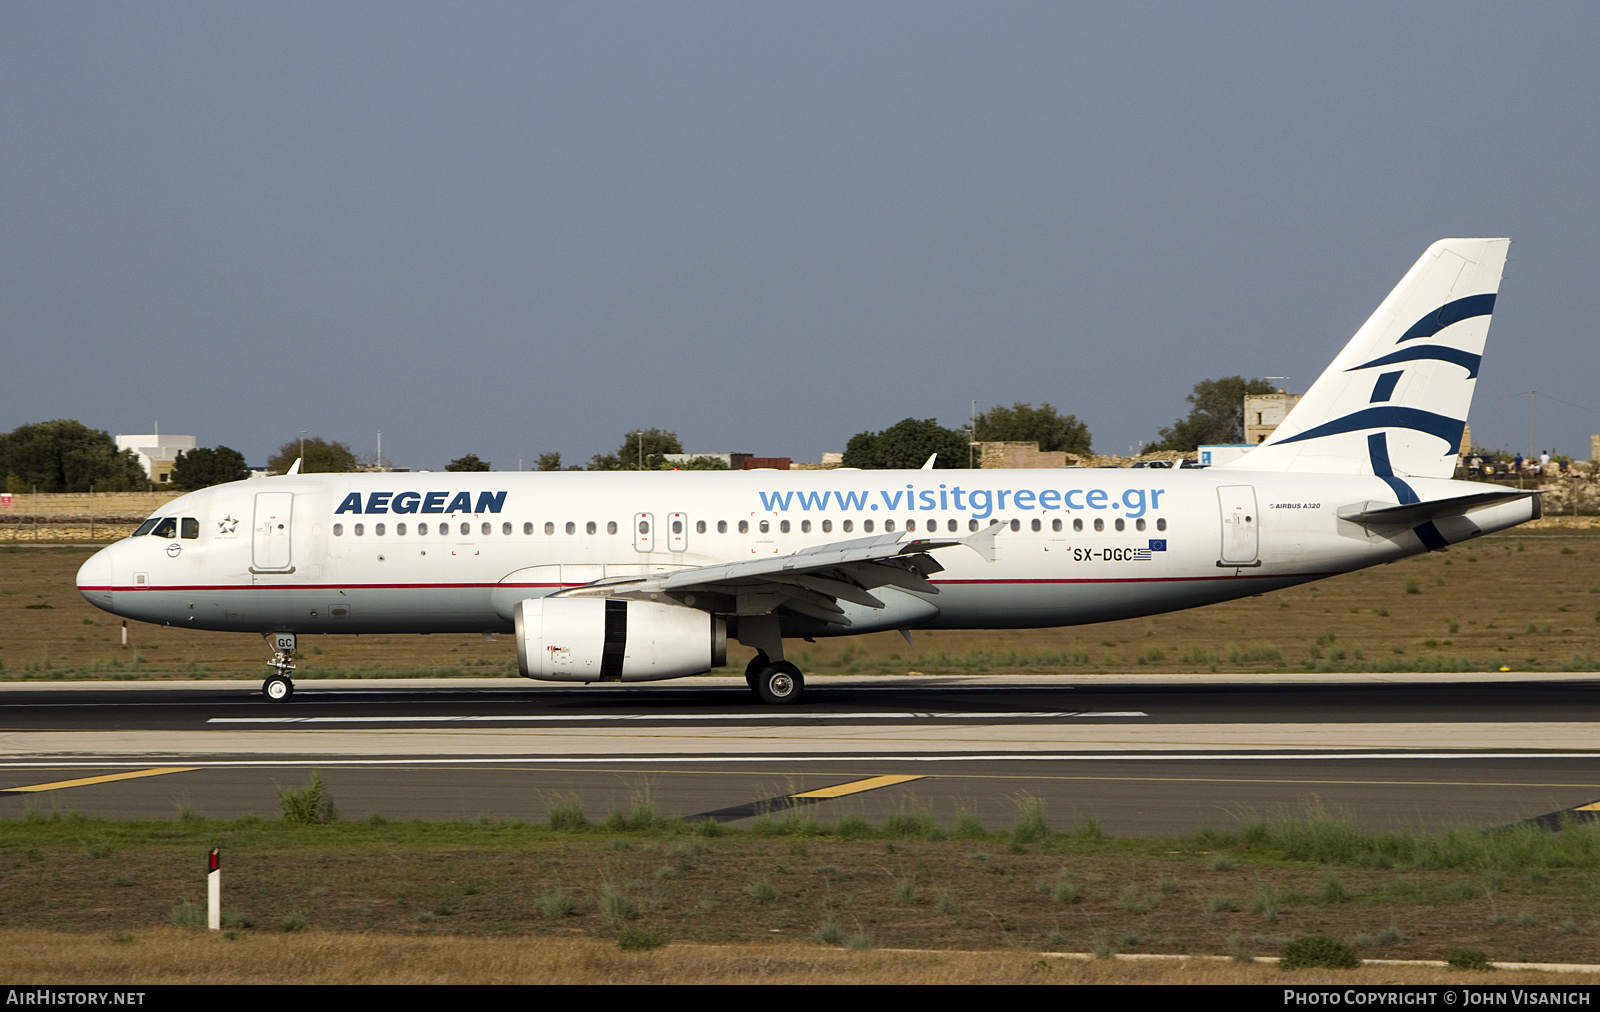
point(979, 503)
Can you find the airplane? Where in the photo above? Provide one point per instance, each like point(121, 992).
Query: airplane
point(638, 576)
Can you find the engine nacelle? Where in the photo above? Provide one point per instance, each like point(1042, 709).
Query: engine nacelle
point(595, 639)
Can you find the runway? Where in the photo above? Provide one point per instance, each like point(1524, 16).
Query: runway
point(1145, 756)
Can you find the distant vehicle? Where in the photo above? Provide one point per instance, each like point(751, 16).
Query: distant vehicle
point(636, 576)
point(1152, 463)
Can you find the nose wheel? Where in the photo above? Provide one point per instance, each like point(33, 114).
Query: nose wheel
point(279, 687)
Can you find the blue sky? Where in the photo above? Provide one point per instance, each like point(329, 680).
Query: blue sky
point(513, 228)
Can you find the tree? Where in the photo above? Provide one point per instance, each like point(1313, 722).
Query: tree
point(641, 450)
point(907, 444)
point(204, 466)
point(468, 463)
point(1217, 414)
point(67, 456)
point(320, 456)
point(549, 461)
point(1045, 425)
point(695, 464)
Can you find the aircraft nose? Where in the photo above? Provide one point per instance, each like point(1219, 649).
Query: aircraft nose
point(95, 578)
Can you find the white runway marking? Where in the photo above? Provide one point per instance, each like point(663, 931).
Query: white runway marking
point(756, 718)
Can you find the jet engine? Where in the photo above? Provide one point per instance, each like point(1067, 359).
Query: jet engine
point(595, 639)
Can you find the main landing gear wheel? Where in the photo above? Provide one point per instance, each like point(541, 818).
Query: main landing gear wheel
point(780, 684)
point(277, 688)
point(752, 672)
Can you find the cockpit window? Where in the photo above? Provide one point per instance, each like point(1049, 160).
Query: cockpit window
point(191, 528)
point(166, 527)
point(146, 527)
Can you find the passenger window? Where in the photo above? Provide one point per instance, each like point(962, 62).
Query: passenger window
point(611, 527)
point(699, 526)
point(146, 527)
point(644, 527)
point(422, 529)
point(848, 526)
point(191, 528)
point(1121, 524)
point(484, 529)
point(400, 529)
point(591, 527)
point(677, 527)
point(1016, 525)
point(1055, 525)
point(505, 528)
point(765, 527)
point(167, 527)
point(377, 530)
point(338, 530)
point(1161, 523)
point(827, 526)
point(744, 527)
point(722, 526)
point(888, 525)
point(1138, 525)
point(572, 528)
point(549, 528)
point(911, 525)
point(866, 526)
point(805, 527)
point(783, 527)
point(359, 530)
point(466, 529)
point(1037, 525)
point(1077, 524)
point(1099, 524)
point(972, 525)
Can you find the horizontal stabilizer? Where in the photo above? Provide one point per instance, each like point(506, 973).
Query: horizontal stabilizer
point(1420, 512)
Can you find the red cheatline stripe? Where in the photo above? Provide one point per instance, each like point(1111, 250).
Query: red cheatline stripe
point(476, 586)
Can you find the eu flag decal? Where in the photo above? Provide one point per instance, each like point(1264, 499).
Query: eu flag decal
point(1158, 544)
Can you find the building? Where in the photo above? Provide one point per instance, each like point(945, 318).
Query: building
point(1265, 412)
point(735, 461)
point(157, 452)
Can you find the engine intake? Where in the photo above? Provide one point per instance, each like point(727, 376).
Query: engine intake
point(593, 639)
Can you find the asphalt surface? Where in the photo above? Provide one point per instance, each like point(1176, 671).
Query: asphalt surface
point(1150, 756)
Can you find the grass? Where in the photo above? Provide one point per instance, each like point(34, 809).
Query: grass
point(72, 640)
point(1537, 892)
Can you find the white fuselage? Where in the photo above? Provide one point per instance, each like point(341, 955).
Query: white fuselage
point(455, 552)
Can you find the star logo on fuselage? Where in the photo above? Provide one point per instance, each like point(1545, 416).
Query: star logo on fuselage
point(226, 525)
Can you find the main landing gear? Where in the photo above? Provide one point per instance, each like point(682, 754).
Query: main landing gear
point(778, 683)
point(279, 687)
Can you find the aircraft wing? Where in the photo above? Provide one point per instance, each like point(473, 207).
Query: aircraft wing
point(811, 581)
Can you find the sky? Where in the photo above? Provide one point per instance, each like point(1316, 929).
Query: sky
point(508, 229)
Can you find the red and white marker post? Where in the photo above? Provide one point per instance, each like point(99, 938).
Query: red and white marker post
point(214, 890)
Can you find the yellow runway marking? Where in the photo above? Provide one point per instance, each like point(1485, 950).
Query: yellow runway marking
point(1592, 807)
point(857, 786)
point(84, 782)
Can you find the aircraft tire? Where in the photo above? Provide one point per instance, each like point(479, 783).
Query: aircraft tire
point(277, 689)
point(752, 672)
point(781, 684)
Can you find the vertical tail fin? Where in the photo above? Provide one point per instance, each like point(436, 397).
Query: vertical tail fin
point(1394, 402)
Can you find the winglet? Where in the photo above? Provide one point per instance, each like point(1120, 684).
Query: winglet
point(294, 468)
point(928, 466)
point(983, 541)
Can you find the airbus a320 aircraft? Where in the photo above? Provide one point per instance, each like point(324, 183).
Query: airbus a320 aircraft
point(635, 576)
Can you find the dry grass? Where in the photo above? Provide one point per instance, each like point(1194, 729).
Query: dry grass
point(1526, 601)
point(188, 956)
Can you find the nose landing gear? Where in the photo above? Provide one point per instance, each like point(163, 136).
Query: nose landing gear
point(279, 687)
